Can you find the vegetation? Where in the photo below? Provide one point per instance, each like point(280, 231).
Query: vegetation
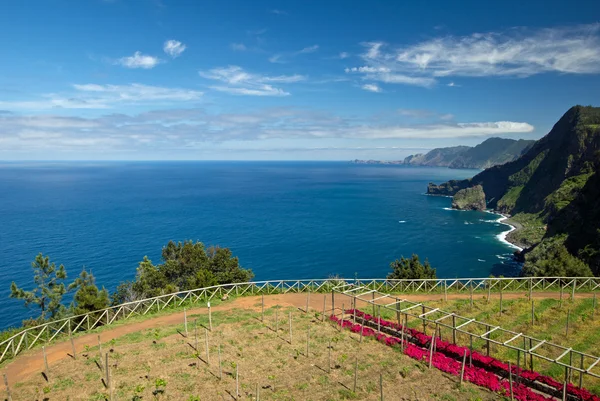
point(531, 229)
point(469, 199)
point(556, 180)
point(49, 288)
point(186, 265)
point(88, 297)
point(411, 268)
point(552, 259)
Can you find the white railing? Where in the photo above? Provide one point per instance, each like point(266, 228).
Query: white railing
point(53, 330)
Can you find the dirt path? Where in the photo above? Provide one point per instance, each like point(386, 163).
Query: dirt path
point(32, 362)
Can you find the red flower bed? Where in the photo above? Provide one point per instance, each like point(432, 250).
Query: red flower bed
point(445, 359)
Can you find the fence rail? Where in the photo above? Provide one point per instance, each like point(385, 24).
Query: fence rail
point(54, 330)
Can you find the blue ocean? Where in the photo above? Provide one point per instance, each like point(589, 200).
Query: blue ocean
point(284, 220)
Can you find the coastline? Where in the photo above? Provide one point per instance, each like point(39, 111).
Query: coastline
point(503, 236)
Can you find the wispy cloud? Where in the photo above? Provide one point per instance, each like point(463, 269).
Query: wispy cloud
point(238, 47)
point(421, 114)
point(371, 88)
point(279, 12)
point(343, 55)
point(174, 48)
point(164, 130)
point(241, 82)
point(284, 57)
point(513, 53)
point(95, 96)
point(139, 60)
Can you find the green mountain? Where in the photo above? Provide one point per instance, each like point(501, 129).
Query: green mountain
point(491, 152)
point(553, 192)
point(440, 157)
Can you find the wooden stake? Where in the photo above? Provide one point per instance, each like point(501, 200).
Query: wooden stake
point(561, 295)
point(453, 329)
point(207, 349)
point(567, 326)
point(73, 346)
point(329, 357)
point(107, 370)
point(424, 324)
point(381, 386)
point(209, 316)
point(99, 348)
point(196, 334)
point(373, 302)
point(355, 375)
point(277, 321)
point(532, 313)
point(471, 293)
point(324, 304)
point(470, 350)
point(594, 306)
point(237, 382)
point(531, 355)
point(379, 318)
point(518, 366)
point(307, 339)
point(581, 372)
point(262, 308)
point(445, 291)
point(9, 396)
point(333, 302)
point(290, 321)
point(110, 386)
point(342, 322)
point(185, 322)
point(489, 288)
point(46, 362)
point(462, 369)
point(257, 392)
point(500, 299)
point(487, 329)
point(307, 301)
point(431, 350)
point(573, 293)
point(530, 289)
point(402, 338)
point(510, 382)
point(220, 364)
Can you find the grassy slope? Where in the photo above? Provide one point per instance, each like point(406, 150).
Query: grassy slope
point(162, 359)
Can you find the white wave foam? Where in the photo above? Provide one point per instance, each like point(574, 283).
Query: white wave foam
point(502, 257)
point(401, 221)
point(502, 235)
point(481, 260)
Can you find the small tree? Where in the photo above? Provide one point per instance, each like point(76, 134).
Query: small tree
point(49, 290)
point(405, 268)
point(88, 297)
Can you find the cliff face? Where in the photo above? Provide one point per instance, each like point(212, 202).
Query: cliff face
point(556, 180)
point(472, 198)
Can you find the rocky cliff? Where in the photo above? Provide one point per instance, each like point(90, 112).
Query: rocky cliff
point(472, 198)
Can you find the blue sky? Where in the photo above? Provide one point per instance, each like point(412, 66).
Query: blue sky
point(293, 80)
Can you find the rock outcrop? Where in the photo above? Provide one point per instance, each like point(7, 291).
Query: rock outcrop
point(469, 199)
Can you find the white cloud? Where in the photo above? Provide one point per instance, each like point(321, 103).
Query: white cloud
point(278, 12)
point(283, 57)
point(139, 60)
point(238, 47)
point(343, 55)
point(309, 49)
point(371, 88)
point(513, 53)
point(174, 48)
point(95, 96)
point(241, 82)
point(192, 129)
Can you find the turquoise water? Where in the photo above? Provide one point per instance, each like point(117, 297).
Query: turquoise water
point(284, 220)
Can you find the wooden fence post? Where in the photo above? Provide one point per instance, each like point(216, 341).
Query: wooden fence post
point(99, 348)
point(564, 392)
point(381, 386)
point(324, 304)
point(531, 355)
point(561, 294)
point(581, 372)
point(209, 316)
point(573, 293)
point(9, 396)
point(262, 308)
point(379, 318)
point(196, 334)
point(277, 321)
point(332, 302)
point(532, 313)
point(445, 291)
point(431, 350)
point(257, 392)
point(423, 318)
point(471, 293)
point(594, 306)
point(500, 299)
point(567, 325)
point(489, 288)
point(373, 302)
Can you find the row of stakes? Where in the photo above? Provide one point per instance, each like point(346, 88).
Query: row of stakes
point(108, 372)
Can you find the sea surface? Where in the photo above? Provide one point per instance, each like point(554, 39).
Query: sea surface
point(284, 220)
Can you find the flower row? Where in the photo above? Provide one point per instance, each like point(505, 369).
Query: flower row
point(479, 359)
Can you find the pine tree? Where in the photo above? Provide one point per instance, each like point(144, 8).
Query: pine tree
point(88, 297)
point(49, 290)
